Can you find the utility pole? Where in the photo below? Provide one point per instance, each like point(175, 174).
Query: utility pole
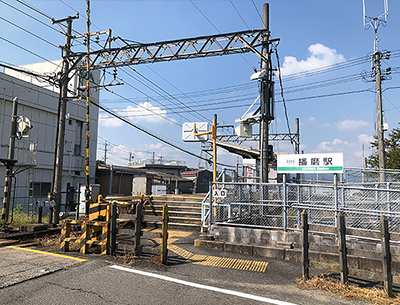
point(87, 138)
point(375, 22)
point(105, 153)
point(265, 98)
point(59, 155)
point(9, 163)
point(379, 111)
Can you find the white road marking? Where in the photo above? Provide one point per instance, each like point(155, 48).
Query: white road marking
point(200, 286)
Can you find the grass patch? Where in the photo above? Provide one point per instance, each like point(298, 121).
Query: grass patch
point(20, 217)
point(374, 295)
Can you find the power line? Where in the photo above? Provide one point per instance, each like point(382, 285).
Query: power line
point(147, 132)
point(239, 14)
point(26, 50)
point(29, 32)
point(255, 7)
point(283, 98)
point(30, 16)
point(35, 9)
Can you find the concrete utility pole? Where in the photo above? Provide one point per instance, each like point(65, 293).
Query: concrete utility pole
point(380, 132)
point(59, 155)
point(9, 165)
point(105, 153)
point(375, 22)
point(266, 93)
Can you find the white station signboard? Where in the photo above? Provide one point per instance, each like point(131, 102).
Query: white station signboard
point(188, 130)
point(311, 163)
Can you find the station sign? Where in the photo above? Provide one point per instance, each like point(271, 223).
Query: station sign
point(310, 163)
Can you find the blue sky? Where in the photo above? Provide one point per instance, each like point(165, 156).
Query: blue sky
point(313, 34)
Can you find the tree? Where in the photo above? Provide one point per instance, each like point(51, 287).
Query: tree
point(392, 151)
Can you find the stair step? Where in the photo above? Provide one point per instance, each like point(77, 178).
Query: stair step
point(172, 207)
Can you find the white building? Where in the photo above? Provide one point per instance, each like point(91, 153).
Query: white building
point(39, 102)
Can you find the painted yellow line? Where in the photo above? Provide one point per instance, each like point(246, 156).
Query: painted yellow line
point(221, 262)
point(170, 233)
point(48, 253)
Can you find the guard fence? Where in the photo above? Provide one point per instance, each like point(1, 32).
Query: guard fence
point(279, 205)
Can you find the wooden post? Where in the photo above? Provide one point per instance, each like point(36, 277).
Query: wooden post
point(113, 228)
point(344, 272)
point(304, 253)
point(138, 226)
point(386, 256)
point(164, 245)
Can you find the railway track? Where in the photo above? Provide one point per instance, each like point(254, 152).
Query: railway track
point(9, 238)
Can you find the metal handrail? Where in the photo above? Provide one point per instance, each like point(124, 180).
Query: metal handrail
point(205, 202)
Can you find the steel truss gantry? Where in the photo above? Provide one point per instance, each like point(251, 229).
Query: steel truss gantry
point(187, 48)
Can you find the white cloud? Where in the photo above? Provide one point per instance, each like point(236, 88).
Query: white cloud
point(106, 120)
point(144, 112)
point(365, 139)
point(351, 124)
point(321, 56)
point(328, 146)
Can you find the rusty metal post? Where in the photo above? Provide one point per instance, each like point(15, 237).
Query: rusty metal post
point(164, 244)
point(344, 272)
point(386, 257)
point(304, 251)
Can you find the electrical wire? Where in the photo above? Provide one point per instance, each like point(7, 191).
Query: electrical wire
point(26, 50)
point(30, 16)
point(282, 96)
point(146, 131)
point(239, 14)
point(255, 7)
point(29, 32)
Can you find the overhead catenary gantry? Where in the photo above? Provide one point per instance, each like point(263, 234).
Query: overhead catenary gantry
point(179, 49)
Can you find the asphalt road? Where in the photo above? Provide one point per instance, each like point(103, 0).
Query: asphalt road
point(101, 281)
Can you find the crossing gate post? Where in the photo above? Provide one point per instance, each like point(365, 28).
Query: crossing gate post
point(164, 244)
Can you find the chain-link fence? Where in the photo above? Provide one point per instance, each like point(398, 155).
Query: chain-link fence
point(279, 205)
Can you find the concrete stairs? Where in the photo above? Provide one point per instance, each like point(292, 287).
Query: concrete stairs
point(184, 211)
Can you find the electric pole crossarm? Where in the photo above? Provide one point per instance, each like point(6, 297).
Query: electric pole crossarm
point(198, 47)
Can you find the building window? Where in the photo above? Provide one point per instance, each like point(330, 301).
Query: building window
point(78, 138)
point(41, 189)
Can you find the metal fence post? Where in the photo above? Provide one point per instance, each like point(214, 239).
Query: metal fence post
point(344, 273)
point(298, 202)
point(211, 208)
point(285, 207)
point(386, 256)
point(336, 197)
point(388, 199)
point(304, 251)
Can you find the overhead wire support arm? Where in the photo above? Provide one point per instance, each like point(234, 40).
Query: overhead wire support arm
point(197, 47)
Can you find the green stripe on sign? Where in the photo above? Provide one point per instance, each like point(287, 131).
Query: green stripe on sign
point(311, 168)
